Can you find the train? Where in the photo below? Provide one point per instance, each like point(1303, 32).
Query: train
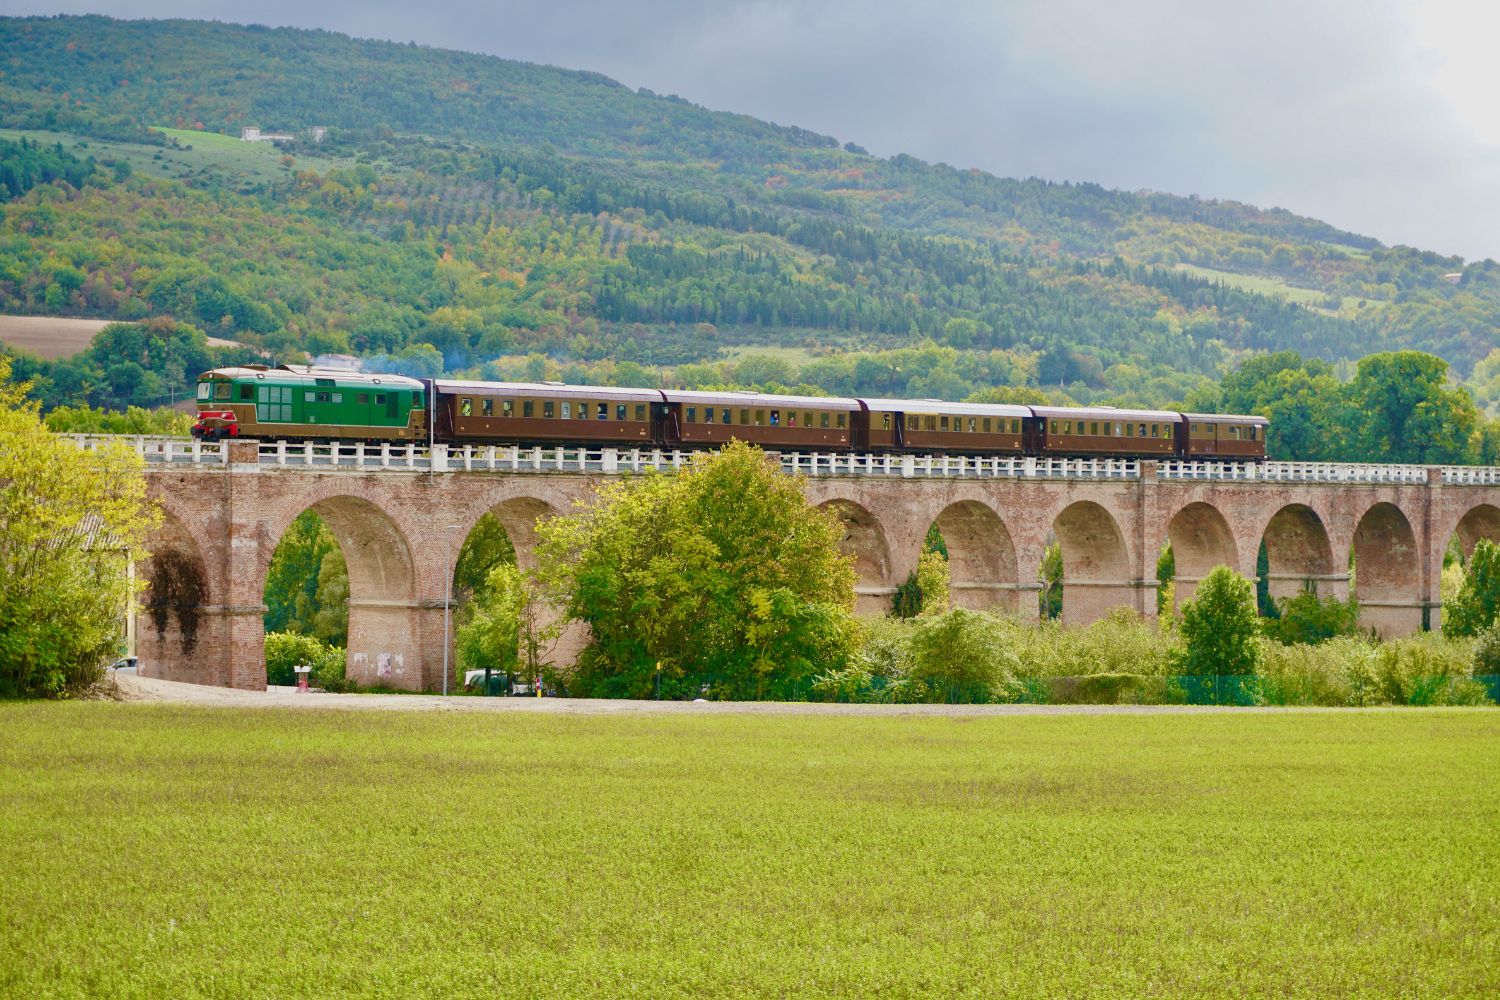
point(307, 403)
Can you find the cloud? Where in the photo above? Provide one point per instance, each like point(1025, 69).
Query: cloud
point(1372, 115)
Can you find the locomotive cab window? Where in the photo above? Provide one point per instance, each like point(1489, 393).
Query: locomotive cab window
point(221, 390)
point(205, 390)
point(416, 399)
point(247, 392)
point(363, 399)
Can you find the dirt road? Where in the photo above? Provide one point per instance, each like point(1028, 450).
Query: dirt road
point(137, 689)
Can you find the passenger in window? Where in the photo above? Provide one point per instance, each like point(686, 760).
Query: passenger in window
point(603, 411)
point(466, 408)
point(708, 414)
point(487, 408)
point(775, 418)
point(791, 418)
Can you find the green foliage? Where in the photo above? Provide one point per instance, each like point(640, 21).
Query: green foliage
point(1307, 618)
point(24, 165)
point(85, 419)
point(1478, 600)
point(1051, 576)
point(960, 656)
point(1487, 653)
point(1219, 627)
point(721, 575)
point(490, 635)
point(487, 547)
point(70, 521)
point(287, 650)
point(925, 590)
point(307, 584)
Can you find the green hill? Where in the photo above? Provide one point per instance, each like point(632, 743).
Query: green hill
point(494, 209)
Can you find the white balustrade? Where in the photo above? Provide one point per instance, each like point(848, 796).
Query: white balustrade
point(412, 457)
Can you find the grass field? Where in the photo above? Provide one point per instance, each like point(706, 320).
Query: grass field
point(59, 337)
point(202, 157)
point(157, 851)
point(1263, 285)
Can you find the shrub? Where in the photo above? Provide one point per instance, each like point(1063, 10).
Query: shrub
point(1487, 653)
point(1309, 619)
point(1313, 675)
point(285, 650)
point(1421, 669)
point(1220, 628)
point(961, 656)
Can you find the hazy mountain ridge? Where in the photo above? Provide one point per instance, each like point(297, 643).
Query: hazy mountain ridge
point(674, 216)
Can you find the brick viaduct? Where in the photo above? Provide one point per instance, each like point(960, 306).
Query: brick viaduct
point(395, 529)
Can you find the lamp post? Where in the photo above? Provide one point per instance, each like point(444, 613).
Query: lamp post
point(448, 602)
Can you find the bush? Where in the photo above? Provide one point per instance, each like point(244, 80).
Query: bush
point(961, 656)
point(1309, 619)
point(1313, 675)
point(285, 650)
point(1220, 629)
point(1422, 669)
point(1487, 653)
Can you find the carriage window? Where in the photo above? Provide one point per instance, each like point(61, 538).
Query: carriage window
point(775, 418)
point(1129, 431)
point(620, 411)
point(602, 412)
point(987, 425)
point(528, 407)
point(791, 418)
point(973, 425)
point(1154, 432)
point(692, 414)
point(567, 409)
point(487, 407)
point(744, 418)
point(507, 408)
point(942, 423)
point(842, 418)
point(823, 420)
point(930, 423)
point(1208, 429)
point(911, 423)
point(640, 411)
point(1093, 426)
point(726, 416)
point(760, 418)
point(708, 414)
point(1015, 426)
point(549, 408)
point(1254, 431)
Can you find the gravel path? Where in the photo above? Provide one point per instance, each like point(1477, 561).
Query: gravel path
point(145, 689)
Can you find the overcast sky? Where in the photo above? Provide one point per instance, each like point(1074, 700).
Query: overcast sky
point(1377, 115)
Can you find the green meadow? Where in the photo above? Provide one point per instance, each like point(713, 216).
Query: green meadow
point(155, 851)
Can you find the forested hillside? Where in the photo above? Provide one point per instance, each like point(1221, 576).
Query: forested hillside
point(468, 213)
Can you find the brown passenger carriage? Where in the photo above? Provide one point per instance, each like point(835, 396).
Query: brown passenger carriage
point(1105, 431)
point(531, 412)
point(698, 418)
point(934, 425)
point(1225, 435)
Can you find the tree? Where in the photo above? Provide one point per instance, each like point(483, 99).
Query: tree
point(487, 547)
point(1050, 574)
point(721, 574)
point(1410, 414)
point(1474, 609)
point(70, 523)
point(491, 634)
point(307, 585)
point(1220, 627)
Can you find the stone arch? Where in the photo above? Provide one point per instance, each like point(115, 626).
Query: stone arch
point(1387, 571)
point(1201, 539)
point(518, 516)
point(174, 627)
point(981, 557)
point(1479, 521)
point(1096, 563)
point(386, 618)
point(1299, 555)
point(864, 539)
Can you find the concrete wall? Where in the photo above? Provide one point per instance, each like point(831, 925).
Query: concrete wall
point(400, 533)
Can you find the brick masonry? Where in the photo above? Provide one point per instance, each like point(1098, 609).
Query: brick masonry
point(400, 533)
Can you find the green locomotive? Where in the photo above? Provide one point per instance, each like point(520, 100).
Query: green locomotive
point(293, 402)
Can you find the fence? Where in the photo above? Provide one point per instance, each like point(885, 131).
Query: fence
point(387, 457)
